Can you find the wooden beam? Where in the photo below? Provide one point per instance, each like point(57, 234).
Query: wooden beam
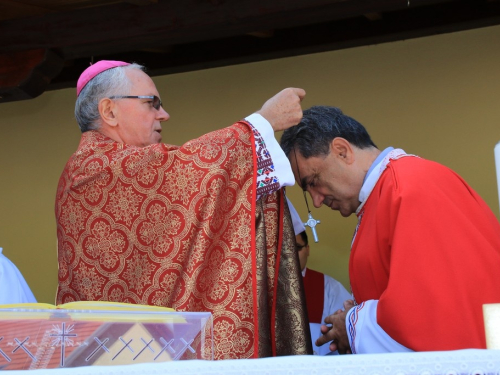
point(10, 9)
point(328, 36)
point(26, 74)
point(124, 27)
point(373, 16)
point(298, 27)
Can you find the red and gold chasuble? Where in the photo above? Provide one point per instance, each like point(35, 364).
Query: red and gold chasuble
point(180, 227)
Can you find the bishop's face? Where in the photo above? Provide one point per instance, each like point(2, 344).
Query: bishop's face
point(139, 123)
point(329, 180)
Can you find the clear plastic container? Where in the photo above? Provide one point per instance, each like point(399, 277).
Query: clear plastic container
point(52, 338)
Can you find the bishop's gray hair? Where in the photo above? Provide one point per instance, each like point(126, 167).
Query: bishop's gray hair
point(108, 83)
point(318, 127)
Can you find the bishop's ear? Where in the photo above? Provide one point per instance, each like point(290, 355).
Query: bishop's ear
point(342, 150)
point(108, 111)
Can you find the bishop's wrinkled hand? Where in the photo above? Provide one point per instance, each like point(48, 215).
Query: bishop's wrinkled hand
point(335, 332)
point(284, 109)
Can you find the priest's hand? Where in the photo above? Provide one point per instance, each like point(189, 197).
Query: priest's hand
point(283, 110)
point(336, 334)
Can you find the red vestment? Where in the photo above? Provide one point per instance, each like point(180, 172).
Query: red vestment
point(180, 227)
point(314, 287)
point(428, 248)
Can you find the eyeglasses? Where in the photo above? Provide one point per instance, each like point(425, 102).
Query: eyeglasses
point(156, 101)
point(299, 247)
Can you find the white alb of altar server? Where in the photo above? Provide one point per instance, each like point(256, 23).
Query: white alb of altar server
point(13, 287)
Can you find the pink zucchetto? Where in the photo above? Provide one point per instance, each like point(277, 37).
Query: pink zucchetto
point(94, 70)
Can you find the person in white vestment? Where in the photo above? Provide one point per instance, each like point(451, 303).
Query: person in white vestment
point(13, 287)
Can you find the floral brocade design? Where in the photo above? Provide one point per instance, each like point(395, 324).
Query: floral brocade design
point(104, 244)
point(182, 181)
point(123, 203)
point(174, 226)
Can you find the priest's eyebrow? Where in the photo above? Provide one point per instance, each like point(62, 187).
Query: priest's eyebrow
point(304, 181)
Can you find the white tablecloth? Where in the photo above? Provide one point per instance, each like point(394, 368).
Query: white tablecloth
point(460, 362)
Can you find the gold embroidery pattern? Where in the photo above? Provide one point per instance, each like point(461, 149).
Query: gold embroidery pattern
point(167, 295)
point(138, 272)
point(65, 257)
point(195, 249)
point(68, 252)
point(124, 203)
point(105, 244)
point(116, 295)
point(272, 225)
point(159, 228)
point(209, 146)
point(218, 203)
point(238, 164)
point(231, 343)
point(88, 283)
point(92, 186)
point(142, 164)
point(73, 217)
point(182, 182)
point(209, 151)
point(218, 275)
point(63, 268)
point(244, 301)
point(239, 233)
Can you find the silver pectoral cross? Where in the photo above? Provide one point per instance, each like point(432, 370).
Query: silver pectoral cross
point(311, 223)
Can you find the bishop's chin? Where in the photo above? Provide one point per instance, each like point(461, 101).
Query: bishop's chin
point(158, 136)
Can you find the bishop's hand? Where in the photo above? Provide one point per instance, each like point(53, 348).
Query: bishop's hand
point(283, 110)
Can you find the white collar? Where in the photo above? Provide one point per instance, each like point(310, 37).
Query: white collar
point(373, 177)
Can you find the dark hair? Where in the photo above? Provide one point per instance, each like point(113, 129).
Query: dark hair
point(318, 127)
point(303, 235)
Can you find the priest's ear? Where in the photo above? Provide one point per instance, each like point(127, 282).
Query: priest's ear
point(342, 150)
point(108, 111)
